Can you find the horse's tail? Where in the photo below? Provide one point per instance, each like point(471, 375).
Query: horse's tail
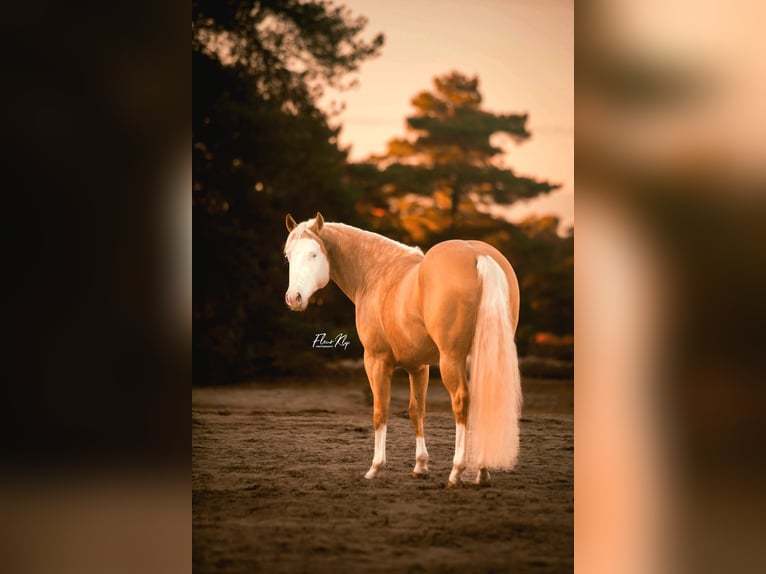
point(494, 404)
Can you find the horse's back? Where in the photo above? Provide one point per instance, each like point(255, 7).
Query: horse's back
point(456, 259)
point(450, 267)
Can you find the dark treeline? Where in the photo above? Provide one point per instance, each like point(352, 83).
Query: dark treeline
point(262, 148)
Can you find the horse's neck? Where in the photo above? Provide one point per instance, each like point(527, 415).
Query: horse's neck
point(358, 259)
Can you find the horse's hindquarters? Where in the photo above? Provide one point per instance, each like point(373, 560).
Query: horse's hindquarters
point(450, 292)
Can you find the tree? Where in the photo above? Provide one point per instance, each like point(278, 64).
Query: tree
point(439, 182)
point(261, 147)
point(445, 167)
point(290, 48)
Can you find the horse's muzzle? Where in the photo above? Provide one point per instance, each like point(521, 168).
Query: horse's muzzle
point(295, 301)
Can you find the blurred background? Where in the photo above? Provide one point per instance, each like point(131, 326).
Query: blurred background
point(670, 283)
point(394, 117)
point(94, 454)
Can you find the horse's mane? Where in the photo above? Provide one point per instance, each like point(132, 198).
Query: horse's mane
point(304, 228)
point(376, 237)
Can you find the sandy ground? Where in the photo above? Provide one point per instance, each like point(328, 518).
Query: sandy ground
point(278, 485)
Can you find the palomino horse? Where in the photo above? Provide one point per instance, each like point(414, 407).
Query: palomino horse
point(413, 310)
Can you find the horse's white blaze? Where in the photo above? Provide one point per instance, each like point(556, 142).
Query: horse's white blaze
point(309, 272)
point(379, 459)
point(421, 455)
point(459, 462)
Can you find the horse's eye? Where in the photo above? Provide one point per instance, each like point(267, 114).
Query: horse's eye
point(313, 255)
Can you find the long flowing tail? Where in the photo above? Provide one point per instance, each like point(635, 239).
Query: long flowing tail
point(495, 383)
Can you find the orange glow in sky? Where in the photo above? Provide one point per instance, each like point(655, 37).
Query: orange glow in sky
point(523, 53)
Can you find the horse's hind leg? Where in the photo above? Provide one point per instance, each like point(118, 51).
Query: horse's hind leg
point(379, 370)
point(454, 377)
point(417, 410)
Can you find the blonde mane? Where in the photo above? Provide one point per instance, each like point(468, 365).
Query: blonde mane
point(362, 239)
point(374, 237)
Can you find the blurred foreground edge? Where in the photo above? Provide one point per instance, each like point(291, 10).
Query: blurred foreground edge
point(95, 435)
point(670, 278)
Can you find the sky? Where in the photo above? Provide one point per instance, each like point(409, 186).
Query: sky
point(523, 53)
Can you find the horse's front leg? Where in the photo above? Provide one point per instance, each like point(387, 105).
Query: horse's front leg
point(417, 410)
point(379, 369)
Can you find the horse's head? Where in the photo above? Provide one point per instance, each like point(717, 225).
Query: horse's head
point(309, 266)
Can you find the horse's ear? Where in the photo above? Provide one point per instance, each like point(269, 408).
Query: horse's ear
point(290, 222)
point(319, 223)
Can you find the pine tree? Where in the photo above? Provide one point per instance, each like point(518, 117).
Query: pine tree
point(446, 166)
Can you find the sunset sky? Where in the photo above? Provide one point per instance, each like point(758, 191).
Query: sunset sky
point(523, 53)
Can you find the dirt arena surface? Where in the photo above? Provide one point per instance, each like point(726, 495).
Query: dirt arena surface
point(278, 484)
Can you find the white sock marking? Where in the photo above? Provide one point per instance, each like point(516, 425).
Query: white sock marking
point(379, 459)
point(458, 463)
point(421, 455)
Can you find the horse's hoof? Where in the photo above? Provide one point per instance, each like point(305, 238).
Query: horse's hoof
point(372, 473)
point(420, 475)
point(451, 484)
point(482, 478)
